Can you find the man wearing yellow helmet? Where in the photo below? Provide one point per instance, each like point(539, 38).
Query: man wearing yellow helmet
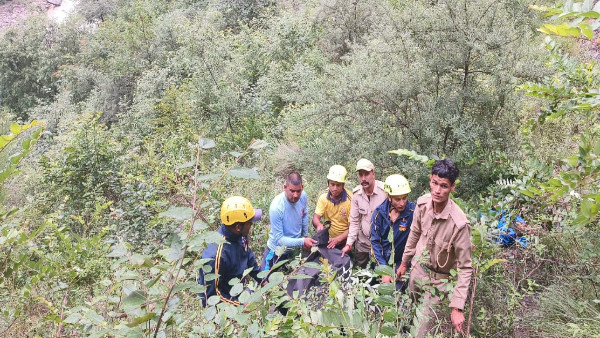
point(230, 260)
point(334, 207)
point(395, 213)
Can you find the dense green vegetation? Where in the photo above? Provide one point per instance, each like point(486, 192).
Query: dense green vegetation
point(148, 114)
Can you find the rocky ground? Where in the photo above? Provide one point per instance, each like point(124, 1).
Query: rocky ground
point(14, 11)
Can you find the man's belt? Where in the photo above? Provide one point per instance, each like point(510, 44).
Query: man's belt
point(434, 274)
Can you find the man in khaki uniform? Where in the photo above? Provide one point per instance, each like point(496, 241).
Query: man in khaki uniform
point(440, 228)
point(367, 197)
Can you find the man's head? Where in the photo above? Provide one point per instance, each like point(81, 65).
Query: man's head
point(443, 175)
point(397, 188)
point(336, 178)
point(366, 174)
point(238, 214)
point(293, 187)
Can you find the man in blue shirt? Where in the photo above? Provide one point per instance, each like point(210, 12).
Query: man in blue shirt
point(230, 260)
point(288, 214)
point(396, 213)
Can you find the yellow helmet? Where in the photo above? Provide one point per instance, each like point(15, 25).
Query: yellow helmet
point(396, 185)
point(337, 173)
point(238, 209)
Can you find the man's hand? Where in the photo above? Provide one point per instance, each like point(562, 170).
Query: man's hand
point(333, 242)
point(386, 279)
point(458, 318)
point(308, 243)
point(319, 227)
point(401, 271)
point(347, 248)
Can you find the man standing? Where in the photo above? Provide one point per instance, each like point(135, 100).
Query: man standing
point(367, 196)
point(395, 213)
point(334, 206)
point(230, 260)
point(441, 229)
point(289, 221)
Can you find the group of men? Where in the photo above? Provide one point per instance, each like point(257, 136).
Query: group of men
point(431, 236)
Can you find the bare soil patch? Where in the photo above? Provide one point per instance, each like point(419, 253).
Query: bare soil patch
point(13, 12)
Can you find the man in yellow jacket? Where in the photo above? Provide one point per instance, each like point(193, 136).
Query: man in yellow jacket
point(441, 229)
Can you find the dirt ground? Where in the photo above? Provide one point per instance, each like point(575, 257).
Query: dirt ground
point(14, 11)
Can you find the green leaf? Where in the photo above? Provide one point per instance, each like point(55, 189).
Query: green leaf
point(26, 144)
point(390, 315)
point(139, 320)
point(590, 14)
point(384, 270)
point(15, 128)
point(410, 154)
point(244, 173)
point(213, 237)
point(210, 312)
point(94, 317)
point(207, 177)
point(300, 276)
point(313, 265)
point(276, 277)
point(491, 263)
point(386, 288)
point(571, 160)
point(526, 193)
point(389, 330)
point(73, 318)
point(135, 298)
point(586, 208)
point(184, 286)
point(176, 249)
point(236, 289)
point(206, 143)
point(258, 144)
point(178, 213)
point(118, 250)
point(385, 301)
point(586, 30)
point(186, 165)
point(236, 154)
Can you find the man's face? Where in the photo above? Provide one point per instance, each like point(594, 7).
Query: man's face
point(366, 178)
point(440, 189)
point(399, 202)
point(246, 228)
point(335, 189)
point(292, 192)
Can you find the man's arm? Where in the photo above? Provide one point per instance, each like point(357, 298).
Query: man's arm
point(413, 236)
point(462, 252)
point(317, 222)
point(411, 242)
point(333, 242)
point(254, 265)
point(378, 239)
point(304, 200)
point(319, 212)
point(354, 223)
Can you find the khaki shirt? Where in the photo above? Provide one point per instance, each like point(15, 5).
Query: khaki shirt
point(361, 212)
point(447, 238)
